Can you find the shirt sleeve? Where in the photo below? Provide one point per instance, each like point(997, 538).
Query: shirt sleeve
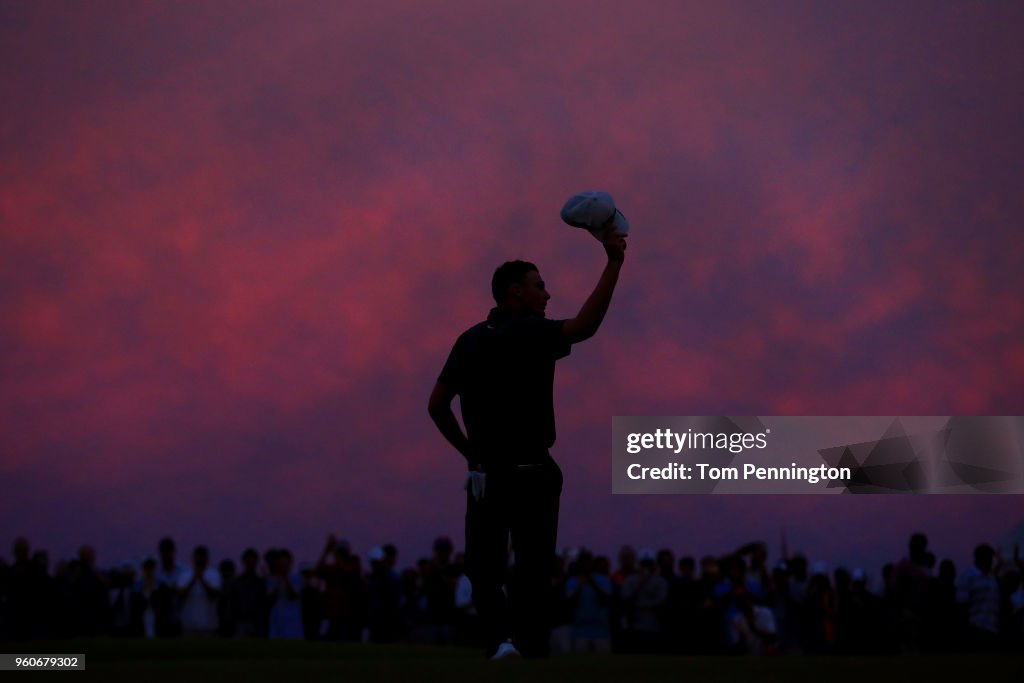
point(453, 372)
point(562, 347)
point(551, 338)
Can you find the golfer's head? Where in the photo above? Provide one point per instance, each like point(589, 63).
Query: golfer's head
point(519, 286)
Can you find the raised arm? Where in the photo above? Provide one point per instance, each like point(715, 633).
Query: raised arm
point(440, 408)
point(588, 320)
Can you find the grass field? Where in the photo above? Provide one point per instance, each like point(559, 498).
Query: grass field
point(253, 661)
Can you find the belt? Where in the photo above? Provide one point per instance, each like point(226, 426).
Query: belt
point(523, 467)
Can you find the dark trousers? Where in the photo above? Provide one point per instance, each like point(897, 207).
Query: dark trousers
point(522, 504)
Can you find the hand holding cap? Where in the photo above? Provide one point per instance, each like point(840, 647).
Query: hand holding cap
point(596, 213)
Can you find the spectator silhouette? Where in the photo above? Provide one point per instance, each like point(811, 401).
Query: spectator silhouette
point(121, 579)
point(734, 597)
point(199, 591)
point(391, 558)
point(754, 626)
point(19, 593)
point(683, 600)
point(144, 595)
point(820, 610)
point(467, 622)
point(943, 618)
point(64, 627)
point(671, 615)
point(666, 564)
point(383, 596)
point(44, 597)
point(842, 586)
point(284, 591)
point(338, 568)
point(167, 602)
point(644, 595)
point(561, 610)
point(1014, 611)
point(627, 567)
point(756, 556)
point(439, 590)
point(709, 617)
point(589, 592)
point(908, 589)
point(409, 606)
point(312, 603)
point(777, 599)
point(248, 593)
point(978, 590)
point(227, 605)
point(88, 595)
point(862, 617)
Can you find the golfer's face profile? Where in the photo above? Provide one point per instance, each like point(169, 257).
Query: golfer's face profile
point(535, 295)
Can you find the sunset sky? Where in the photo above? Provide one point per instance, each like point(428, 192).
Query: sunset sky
point(237, 240)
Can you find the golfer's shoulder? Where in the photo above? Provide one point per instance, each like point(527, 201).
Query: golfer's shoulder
point(471, 338)
point(537, 324)
point(511, 332)
point(481, 328)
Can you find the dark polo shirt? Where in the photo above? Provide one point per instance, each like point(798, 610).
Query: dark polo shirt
point(503, 370)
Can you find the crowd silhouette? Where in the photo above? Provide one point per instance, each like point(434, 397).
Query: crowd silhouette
point(649, 602)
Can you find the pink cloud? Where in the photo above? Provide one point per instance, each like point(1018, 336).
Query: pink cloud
point(240, 240)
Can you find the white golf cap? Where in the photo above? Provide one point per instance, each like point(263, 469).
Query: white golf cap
point(595, 212)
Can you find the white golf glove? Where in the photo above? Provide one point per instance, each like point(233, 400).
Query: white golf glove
point(475, 484)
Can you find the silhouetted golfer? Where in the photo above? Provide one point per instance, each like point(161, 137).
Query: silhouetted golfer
point(503, 370)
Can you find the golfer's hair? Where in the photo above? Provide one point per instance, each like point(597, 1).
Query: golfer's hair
point(508, 274)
